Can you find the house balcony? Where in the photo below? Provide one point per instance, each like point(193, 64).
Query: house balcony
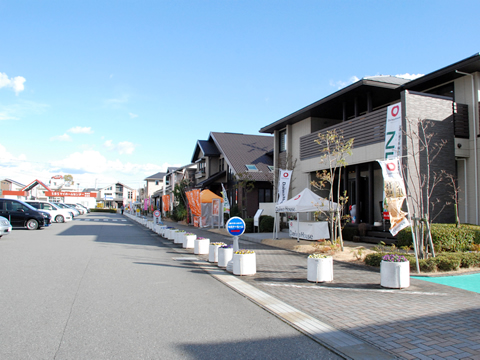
point(369, 129)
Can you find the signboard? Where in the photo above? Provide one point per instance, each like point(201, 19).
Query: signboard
point(283, 185)
point(69, 193)
point(395, 194)
point(156, 213)
point(235, 226)
point(256, 218)
point(393, 132)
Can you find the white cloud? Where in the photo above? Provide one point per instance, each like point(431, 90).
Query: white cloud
point(80, 130)
point(6, 116)
point(341, 84)
point(21, 109)
point(123, 147)
point(410, 76)
point(64, 137)
point(132, 116)
point(15, 83)
point(116, 102)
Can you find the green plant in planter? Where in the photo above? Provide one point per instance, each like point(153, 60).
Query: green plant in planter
point(244, 251)
point(319, 256)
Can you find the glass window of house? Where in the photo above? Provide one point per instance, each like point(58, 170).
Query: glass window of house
point(283, 140)
point(251, 167)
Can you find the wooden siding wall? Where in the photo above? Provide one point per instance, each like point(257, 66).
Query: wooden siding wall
point(367, 129)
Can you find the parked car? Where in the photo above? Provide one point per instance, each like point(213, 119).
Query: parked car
point(83, 206)
point(71, 206)
point(74, 212)
point(5, 226)
point(79, 208)
point(58, 214)
point(21, 214)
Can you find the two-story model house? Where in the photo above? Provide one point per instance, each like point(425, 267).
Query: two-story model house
point(242, 163)
point(448, 98)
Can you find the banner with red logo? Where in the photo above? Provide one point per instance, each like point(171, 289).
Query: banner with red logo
point(395, 194)
point(393, 132)
point(283, 185)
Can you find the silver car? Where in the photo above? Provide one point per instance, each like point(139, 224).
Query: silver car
point(5, 226)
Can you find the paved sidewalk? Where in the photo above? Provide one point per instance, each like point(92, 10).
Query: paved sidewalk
point(424, 321)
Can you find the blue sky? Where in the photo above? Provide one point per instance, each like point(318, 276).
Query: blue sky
point(119, 90)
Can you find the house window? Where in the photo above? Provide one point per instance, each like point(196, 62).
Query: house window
point(251, 167)
point(283, 140)
point(271, 168)
point(157, 182)
point(130, 195)
point(221, 165)
point(265, 195)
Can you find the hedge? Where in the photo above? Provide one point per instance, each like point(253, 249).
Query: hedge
point(266, 223)
point(446, 237)
point(442, 262)
point(104, 210)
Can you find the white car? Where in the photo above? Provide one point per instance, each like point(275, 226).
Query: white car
point(58, 214)
point(72, 210)
point(5, 226)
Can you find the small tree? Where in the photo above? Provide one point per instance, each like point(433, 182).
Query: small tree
point(422, 150)
point(335, 149)
point(245, 183)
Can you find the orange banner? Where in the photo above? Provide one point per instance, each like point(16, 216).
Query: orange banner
point(166, 202)
point(193, 197)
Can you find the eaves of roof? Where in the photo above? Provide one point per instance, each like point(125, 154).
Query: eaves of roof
point(445, 74)
point(304, 112)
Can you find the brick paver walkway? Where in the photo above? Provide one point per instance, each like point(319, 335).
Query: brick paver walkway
point(424, 321)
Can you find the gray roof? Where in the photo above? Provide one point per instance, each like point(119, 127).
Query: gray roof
point(240, 150)
point(157, 176)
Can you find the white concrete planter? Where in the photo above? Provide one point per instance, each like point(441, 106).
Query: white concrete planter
point(395, 275)
point(189, 241)
point(320, 270)
point(213, 253)
point(224, 256)
point(200, 246)
point(170, 234)
point(244, 264)
point(178, 239)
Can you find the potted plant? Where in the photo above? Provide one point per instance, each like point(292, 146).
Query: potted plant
point(319, 268)
point(394, 271)
point(189, 240)
point(200, 246)
point(244, 262)
point(213, 251)
point(225, 254)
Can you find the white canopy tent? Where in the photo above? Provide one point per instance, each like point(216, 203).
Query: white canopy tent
point(306, 201)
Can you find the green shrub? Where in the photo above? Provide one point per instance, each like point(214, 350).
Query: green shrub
point(114, 211)
point(469, 260)
point(179, 213)
point(248, 225)
point(234, 211)
point(374, 259)
point(448, 263)
point(349, 232)
point(266, 223)
point(426, 265)
point(446, 237)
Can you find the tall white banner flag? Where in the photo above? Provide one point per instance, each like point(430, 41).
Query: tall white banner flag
point(395, 194)
point(283, 185)
point(393, 132)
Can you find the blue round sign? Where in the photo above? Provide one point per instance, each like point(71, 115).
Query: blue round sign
point(235, 226)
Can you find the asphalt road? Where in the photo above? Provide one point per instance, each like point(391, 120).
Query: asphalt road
point(109, 288)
